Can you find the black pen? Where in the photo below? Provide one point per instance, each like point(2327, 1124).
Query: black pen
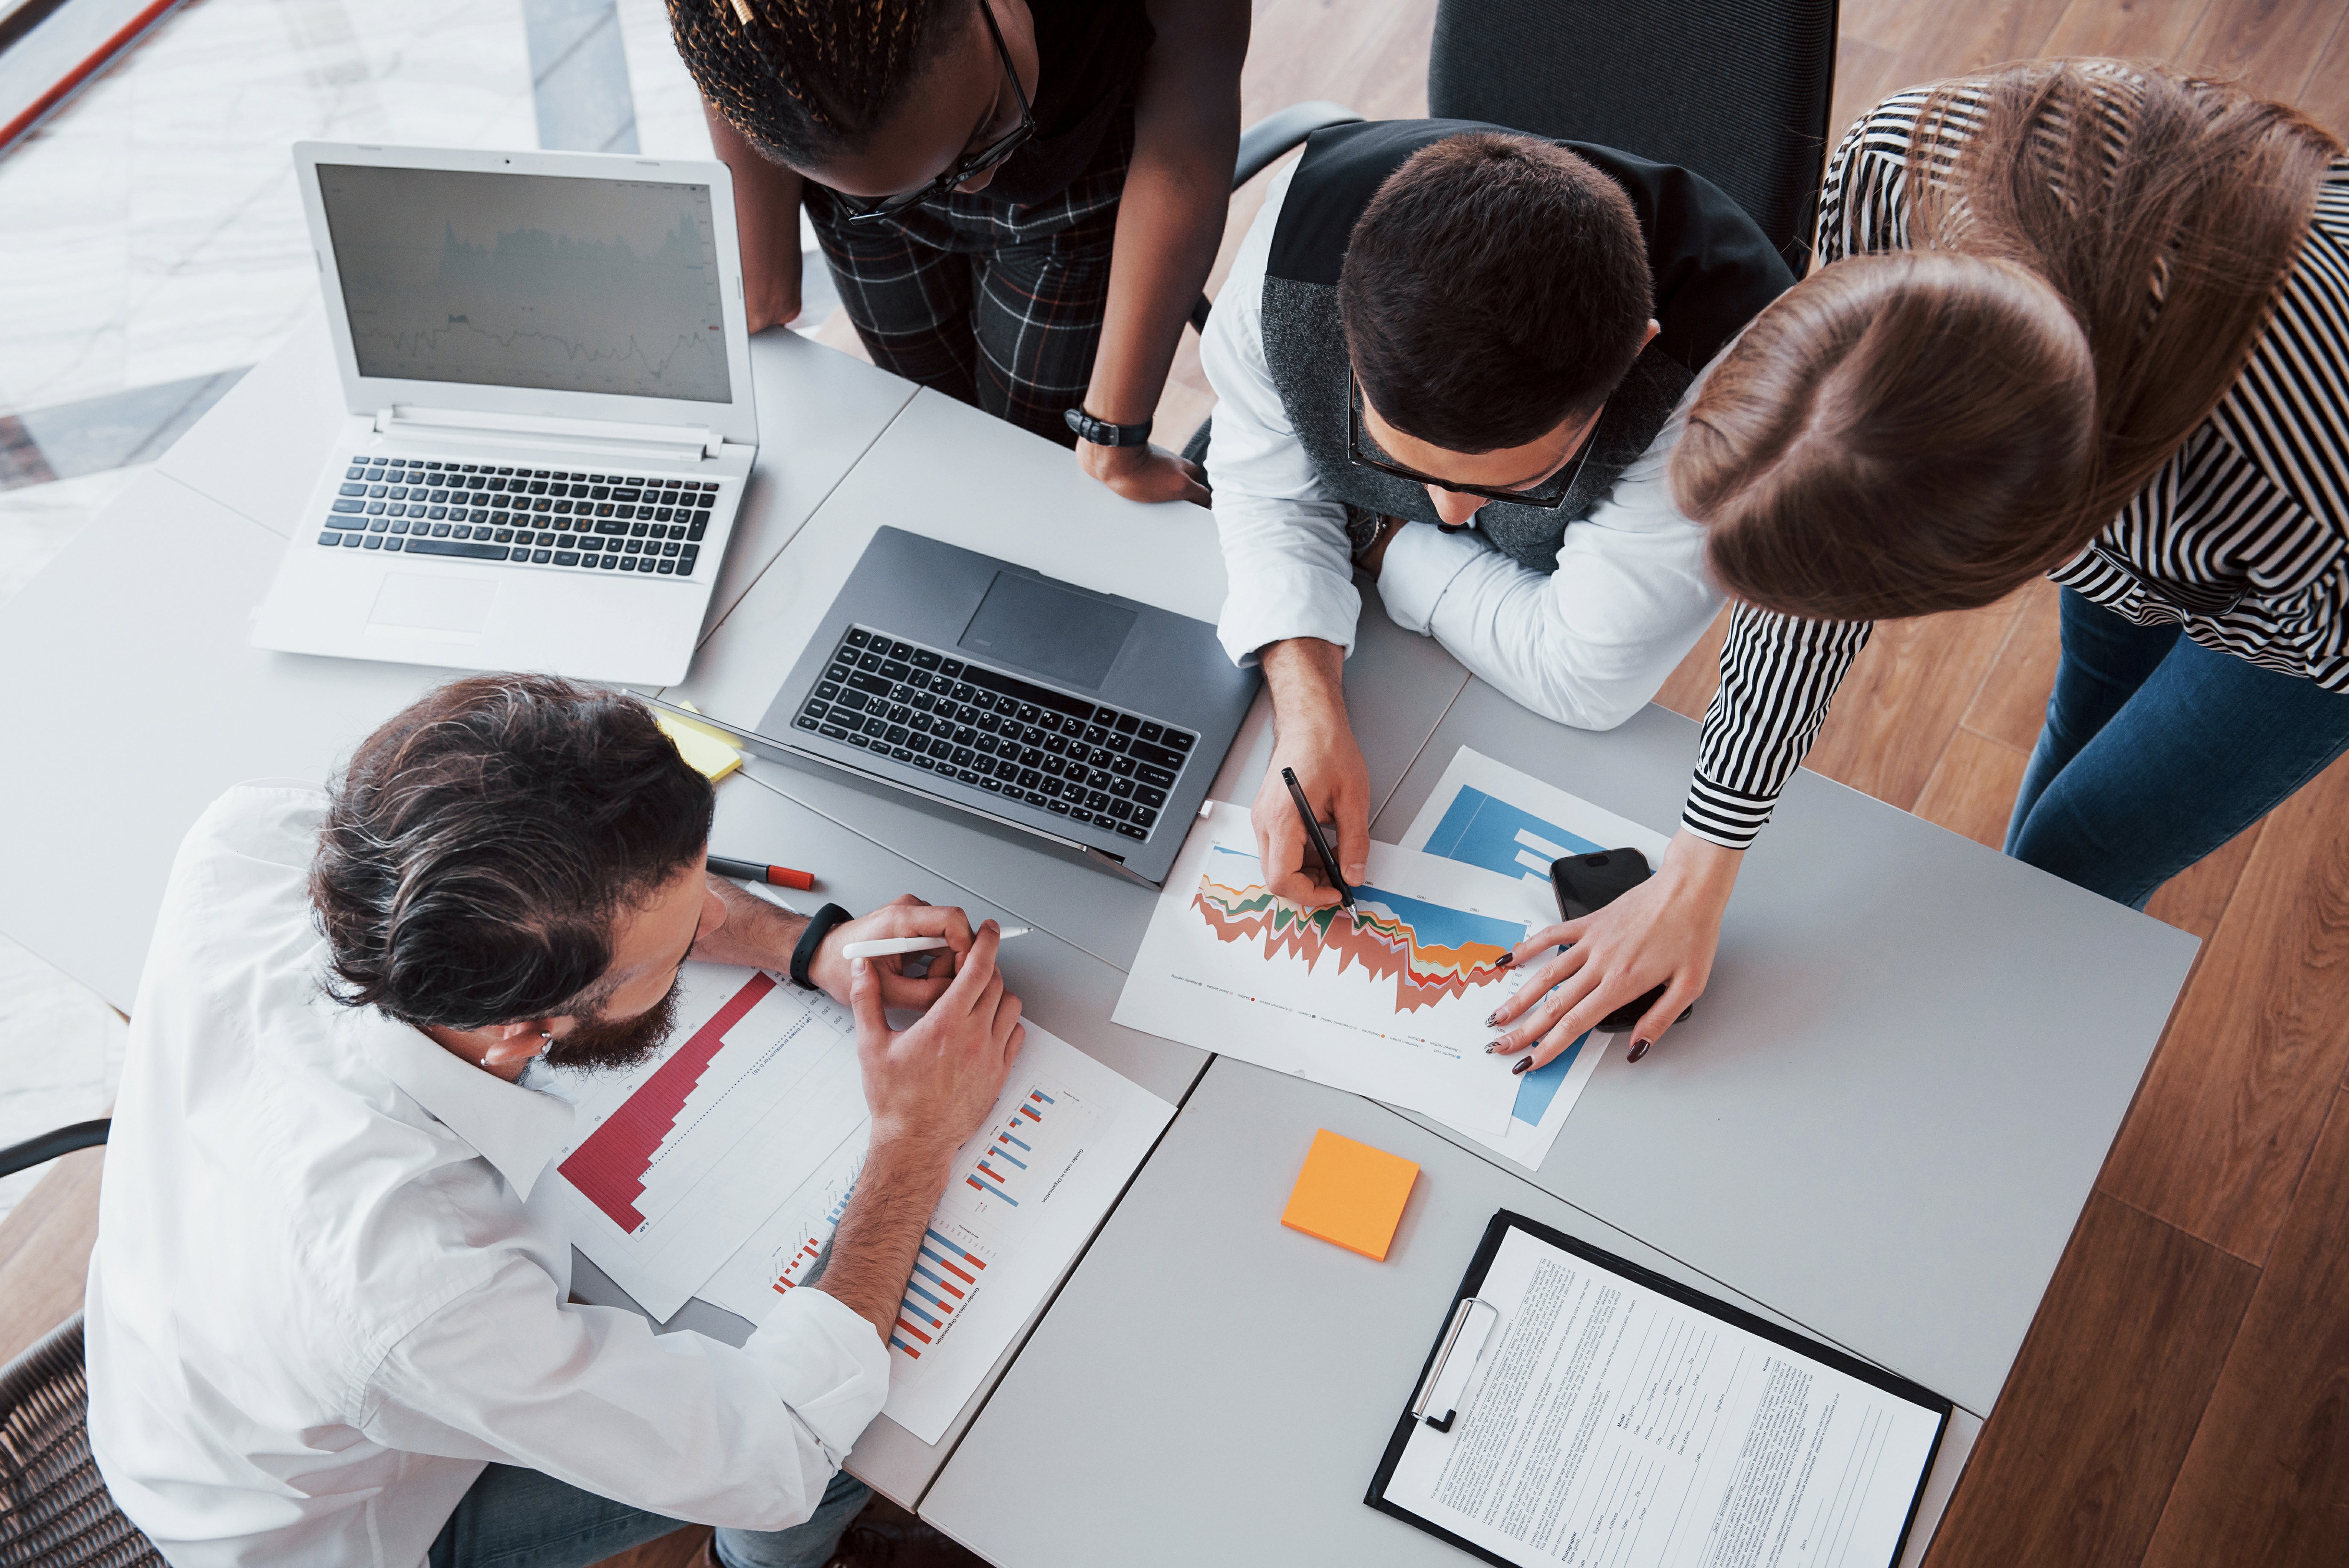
point(1313, 836)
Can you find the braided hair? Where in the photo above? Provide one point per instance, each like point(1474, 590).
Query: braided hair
point(806, 80)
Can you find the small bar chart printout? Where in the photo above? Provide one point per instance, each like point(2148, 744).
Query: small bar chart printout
point(1024, 1192)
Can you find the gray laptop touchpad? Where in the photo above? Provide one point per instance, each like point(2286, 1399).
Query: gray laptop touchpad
point(1047, 628)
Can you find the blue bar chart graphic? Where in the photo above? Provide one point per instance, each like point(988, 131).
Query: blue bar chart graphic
point(1013, 1164)
point(1011, 1155)
point(946, 1273)
point(1481, 830)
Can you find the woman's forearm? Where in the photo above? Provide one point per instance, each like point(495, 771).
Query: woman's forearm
point(767, 218)
point(1168, 227)
point(1186, 132)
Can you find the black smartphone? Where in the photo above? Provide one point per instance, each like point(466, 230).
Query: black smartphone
point(1586, 884)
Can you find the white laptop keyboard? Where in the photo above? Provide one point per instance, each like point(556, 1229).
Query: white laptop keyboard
point(524, 516)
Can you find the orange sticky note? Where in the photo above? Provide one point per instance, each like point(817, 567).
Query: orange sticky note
point(1350, 1194)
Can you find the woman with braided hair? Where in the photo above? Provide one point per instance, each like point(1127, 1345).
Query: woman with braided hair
point(1019, 198)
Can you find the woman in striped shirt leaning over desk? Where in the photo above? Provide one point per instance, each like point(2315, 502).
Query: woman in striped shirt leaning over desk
point(2075, 318)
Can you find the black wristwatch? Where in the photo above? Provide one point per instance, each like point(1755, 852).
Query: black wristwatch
point(1101, 433)
point(818, 927)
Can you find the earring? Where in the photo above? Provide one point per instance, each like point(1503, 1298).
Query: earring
point(547, 1040)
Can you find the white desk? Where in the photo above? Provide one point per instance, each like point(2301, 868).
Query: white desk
point(129, 663)
point(1064, 989)
point(1886, 1115)
point(1036, 508)
point(130, 651)
point(1809, 1139)
point(1889, 1110)
point(1213, 1388)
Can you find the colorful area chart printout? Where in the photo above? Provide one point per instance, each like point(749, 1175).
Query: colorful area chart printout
point(1488, 813)
point(1387, 999)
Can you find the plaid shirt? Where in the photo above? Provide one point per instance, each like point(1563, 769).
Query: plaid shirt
point(999, 306)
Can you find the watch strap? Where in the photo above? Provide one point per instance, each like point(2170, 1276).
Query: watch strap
point(820, 926)
point(1101, 433)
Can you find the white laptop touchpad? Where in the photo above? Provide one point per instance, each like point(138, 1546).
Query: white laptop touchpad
point(443, 609)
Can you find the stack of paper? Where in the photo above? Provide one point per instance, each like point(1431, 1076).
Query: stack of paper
point(722, 1167)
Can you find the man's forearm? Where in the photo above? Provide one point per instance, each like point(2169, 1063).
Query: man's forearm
point(1307, 677)
point(873, 1251)
point(757, 934)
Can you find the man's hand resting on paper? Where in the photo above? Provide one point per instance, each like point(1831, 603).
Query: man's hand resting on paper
point(1663, 932)
point(929, 1087)
point(1311, 734)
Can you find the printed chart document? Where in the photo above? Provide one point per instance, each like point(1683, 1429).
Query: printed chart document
point(752, 1122)
point(674, 1162)
point(1487, 814)
point(1613, 1416)
point(1387, 999)
point(1028, 1189)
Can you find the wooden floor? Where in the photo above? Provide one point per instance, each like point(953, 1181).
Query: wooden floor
point(2183, 1398)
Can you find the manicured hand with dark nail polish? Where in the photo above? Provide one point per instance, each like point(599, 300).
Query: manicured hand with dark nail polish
point(1663, 932)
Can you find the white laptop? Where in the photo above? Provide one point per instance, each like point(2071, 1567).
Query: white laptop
point(547, 384)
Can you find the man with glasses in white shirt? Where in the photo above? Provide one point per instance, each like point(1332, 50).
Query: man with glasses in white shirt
point(1451, 355)
point(322, 1326)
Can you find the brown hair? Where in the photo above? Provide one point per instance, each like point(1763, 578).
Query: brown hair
point(481, 842)
point(1495, 287)
point(1877, 444)
point(806, 80)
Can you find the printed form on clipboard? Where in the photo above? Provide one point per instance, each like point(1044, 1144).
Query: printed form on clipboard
point(1577, 1408)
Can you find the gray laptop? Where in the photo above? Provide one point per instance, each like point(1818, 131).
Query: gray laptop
point(1086, 722)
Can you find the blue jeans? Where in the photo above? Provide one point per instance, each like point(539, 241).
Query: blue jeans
point(2156, 750)
point(514, 1518)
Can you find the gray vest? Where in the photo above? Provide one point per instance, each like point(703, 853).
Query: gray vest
point(1713, 269)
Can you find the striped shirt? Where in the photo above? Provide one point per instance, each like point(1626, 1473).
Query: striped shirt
point(2241, 538)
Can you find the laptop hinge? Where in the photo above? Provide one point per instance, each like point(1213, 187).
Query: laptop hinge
point(473, 425)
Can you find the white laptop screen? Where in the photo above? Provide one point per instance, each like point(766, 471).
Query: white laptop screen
point(529, 280)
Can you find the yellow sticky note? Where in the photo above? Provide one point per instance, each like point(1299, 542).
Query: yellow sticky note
point(1350, 1194)
point(706, 749)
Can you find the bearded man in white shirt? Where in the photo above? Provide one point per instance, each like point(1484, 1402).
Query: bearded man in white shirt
point(322, 1326)
point(1452, 357)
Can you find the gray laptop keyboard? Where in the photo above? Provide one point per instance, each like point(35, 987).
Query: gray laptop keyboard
point(1010, 737)
point(524, 516)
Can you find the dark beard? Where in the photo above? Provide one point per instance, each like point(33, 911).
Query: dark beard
point(599, 1045)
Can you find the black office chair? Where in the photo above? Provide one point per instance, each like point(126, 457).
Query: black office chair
point(1739, 90)
point(53, 1507)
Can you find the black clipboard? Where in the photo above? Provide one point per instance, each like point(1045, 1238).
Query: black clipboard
point(1502, 1223)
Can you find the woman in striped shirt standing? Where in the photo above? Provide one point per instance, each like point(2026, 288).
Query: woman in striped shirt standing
point(2081, 318)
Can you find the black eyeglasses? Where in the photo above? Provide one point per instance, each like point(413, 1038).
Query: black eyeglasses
point(1540, 496)
point(971, 165)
